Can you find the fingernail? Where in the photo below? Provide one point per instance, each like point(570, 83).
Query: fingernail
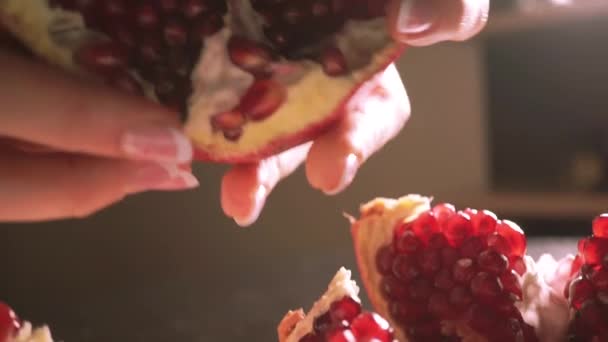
point(351, 165)
point(415, 16)
point(259, 199)
point(155, 176)
point(157, 144)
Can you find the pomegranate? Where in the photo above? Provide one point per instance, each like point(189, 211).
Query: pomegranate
point(336, 317)
point(587, 288)
point(251, 77)
point(440, 274)
point(13, 330)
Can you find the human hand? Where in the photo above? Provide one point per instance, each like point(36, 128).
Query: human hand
point(371, 121)
point(70, 148)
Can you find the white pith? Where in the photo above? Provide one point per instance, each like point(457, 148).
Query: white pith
point(29, 334)
point(341, 286)
point(217, 84)
point(542, 306)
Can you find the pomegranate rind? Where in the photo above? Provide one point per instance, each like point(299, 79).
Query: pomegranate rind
point(373, 230)
point(288, 323)
point(314, 103)
point(340, 286)
point(29, 334)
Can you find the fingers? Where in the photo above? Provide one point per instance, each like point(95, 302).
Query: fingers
point(246, 187)
point(426, 22)
point(47, 107)
point(58, 186)
point(372, 120)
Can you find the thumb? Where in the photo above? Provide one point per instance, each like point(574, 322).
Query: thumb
point(427, 22)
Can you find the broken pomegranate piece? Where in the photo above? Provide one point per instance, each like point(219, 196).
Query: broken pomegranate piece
point(287, 67)
point(587, 288)
point(440, 274)
point(336, 317)
point(14, 330)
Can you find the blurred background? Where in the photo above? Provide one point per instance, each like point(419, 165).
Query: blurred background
point(513, 121)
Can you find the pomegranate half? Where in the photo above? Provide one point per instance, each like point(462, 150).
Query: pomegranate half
point(438, 274)
point(336, 317)
point(251, 77)
point(14, 330)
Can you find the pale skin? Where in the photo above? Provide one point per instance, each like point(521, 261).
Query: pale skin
point(69, 149)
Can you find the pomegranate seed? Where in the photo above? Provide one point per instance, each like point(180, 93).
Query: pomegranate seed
point(408, 243)
point(384, 260)
point(320, 8)
point(472, 246)
point(580, 291)
point(511, 283)
point(393, 289)
point(425, 330)
point(514, 235)
point(168, 6)
point(600, 279)
point(458, 228)
point(345, 309)
point(150, 50)
point(147, 16)
point(602, 297)
point(443, 212)
point(595, 250)
point(262, 99)
point(193, 8)
point(483, 320)
point(594, 316)
point(125, 82)
point(338, 5)
point(408, 312)
point(102, 56)
point(322, 323)
point(499, 244)
point(449, 256)
point(485, 286)
point(370, 326)
point(248, 55)
point(206, 26)
point(334, 63)
point(311, 337)
point(425, 226)
point(341, 335)
point(420, 289)
point(123, 34)
point(405, 268)
point(600, 226)
point(113, 8)
point(233, 134)
point(463, 271)
point(484, 222)
point(292, 14)
point(437, 241)
point(518, 264)
point(9, 323)
point(175, 33)
point(443, 279)
point(460, 297)
point(429, 261)
point(228, 121)
point(492, 262)
point(278, 38)
point(576, 265)
point(440, 306)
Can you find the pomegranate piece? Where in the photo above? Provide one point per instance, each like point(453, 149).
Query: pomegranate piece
point(453, 269)
point(9, 323)
point(600, 226)
point(262, 99)
point(370, 326)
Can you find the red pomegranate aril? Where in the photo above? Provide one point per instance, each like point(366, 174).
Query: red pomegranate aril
point(102, 56)
point(595, 250)
point(511, 283)
point(320, 8)
point(193, 8)
point(472, 246)
point(341, 335)
point(125, 82)
point(518, 264)
point(429, 330)
point(458, 228)
point(175, 32)
point(250, 56)
point(233, 134)
point(262, 99)
point(580, 291)
point(600, 226)
point(147, 16)
point(345, 309)
point(293, 14)
point(9, 323)
point(384, 260)
point(113, 8)
point(429, 261)
point(484, 222)
point(150, 50)
point(444, 280)
point(482, 319)
point(420, 289)
point(449, 256)
point(334, 63)
point(168, 6)
point(593, 316)
point(407, 243)
point(443, 212)
point(408, 312)
point(405, 268)
point(426, 226)
point(440, 306)
point(576, 265)
point(485, 286)
point(322, 323)
point(600, 279)
point(311, 337)
point(492, 262)
point(371, 327)
point(228, 121)
point(500, 244)
point(463, 271)
point(460, 297)
point(514, 235)
point(392, 288)
point(122, 33)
